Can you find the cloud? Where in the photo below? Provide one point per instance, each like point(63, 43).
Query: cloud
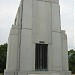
point(8, 9)
point(67, 20)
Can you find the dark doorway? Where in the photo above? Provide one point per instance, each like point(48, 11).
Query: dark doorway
point(41, 57)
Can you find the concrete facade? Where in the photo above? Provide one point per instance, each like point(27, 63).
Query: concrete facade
point(37, 20)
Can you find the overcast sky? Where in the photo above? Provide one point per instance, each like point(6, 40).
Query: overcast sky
point(8, 9)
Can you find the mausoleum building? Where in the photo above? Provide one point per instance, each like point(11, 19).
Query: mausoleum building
point(36, 44)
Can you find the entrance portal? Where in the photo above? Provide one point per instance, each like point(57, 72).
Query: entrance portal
point(41, 57)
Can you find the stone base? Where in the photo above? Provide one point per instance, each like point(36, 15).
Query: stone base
point(38, 73)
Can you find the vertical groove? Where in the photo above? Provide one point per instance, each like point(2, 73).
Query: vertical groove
point(51, 40)
point(20, 33)
point(20, 30)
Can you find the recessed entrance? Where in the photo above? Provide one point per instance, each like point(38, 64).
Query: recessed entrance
point(41, 57)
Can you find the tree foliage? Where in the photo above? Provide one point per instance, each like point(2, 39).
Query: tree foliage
point(71, 57)
point(3, 52)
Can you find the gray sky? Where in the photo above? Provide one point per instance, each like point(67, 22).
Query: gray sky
point(9, 9)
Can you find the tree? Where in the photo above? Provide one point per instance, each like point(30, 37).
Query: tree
point(71, 57)
point(3, 53)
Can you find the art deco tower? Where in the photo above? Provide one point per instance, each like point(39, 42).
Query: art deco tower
point(37, 45)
